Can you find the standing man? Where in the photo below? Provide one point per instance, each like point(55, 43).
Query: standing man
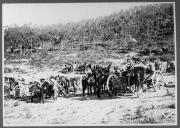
point(55, 87)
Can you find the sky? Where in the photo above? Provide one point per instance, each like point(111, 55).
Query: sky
point(54, 13)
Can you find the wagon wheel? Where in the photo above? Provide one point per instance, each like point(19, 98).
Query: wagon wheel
point(131, 83)
point(157, 80)
point(110, 84)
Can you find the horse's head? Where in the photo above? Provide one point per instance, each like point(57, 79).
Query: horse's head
point(84, 77)
point(88, 65)
point(56, 77)
point(35, 88)
point(51, 77)
point(91, 78)
point(109, 66)
point(42, 80)
point(98, 73)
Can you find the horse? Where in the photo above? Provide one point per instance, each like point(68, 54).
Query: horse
point(63, 85)
point(137, 77)
point(36, 91)
point(82, 68)
point(73, 84)
point(170, 67)
point(88, 82)
point(13, 83)
point(100, 75)
point(47, 89)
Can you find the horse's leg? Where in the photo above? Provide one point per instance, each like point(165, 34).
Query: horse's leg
point(94, 89)
point(84, 89)
point(104, 87)
point(39, 98)
point(55, 94)
point(90, 86)
point(58, 91)
point(98, 91)
point(115, 93)
point(142, 80)
point(32, 99)
point(43, 97)
point(88, 89)
point(74, 89)
point(137, 90)
point(65, 87)
point(83, 92)
point(136, 84)
point(68, 87)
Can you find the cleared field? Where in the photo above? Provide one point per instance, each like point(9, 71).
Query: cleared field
point(151, 107)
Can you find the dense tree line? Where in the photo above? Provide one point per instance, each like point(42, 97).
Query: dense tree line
point(150, 25)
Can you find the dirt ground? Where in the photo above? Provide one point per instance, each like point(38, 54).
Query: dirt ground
point(150, 108)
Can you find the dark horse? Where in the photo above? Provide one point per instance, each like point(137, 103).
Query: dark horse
point(47, 89)
point(100, 75)
point(137, 77)
point(13, 83)
point(88, 82)
point(36, 92)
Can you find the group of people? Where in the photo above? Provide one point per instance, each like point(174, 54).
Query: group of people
point(51, 87)
point(151, 65)
point(95, 79)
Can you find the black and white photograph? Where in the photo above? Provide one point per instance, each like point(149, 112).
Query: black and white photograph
point(89, 64)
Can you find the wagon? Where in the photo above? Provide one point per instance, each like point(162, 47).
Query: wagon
point(67, 69)
point(156, 80)
point(21, 91)
point(80, 69)
point(122, 84)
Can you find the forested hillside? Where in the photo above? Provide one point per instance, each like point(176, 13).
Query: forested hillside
point(143, 27)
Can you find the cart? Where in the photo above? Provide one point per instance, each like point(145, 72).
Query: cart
point(122, 84)
point(67, 69)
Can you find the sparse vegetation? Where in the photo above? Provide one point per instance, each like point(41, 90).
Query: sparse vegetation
point(145, 27)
